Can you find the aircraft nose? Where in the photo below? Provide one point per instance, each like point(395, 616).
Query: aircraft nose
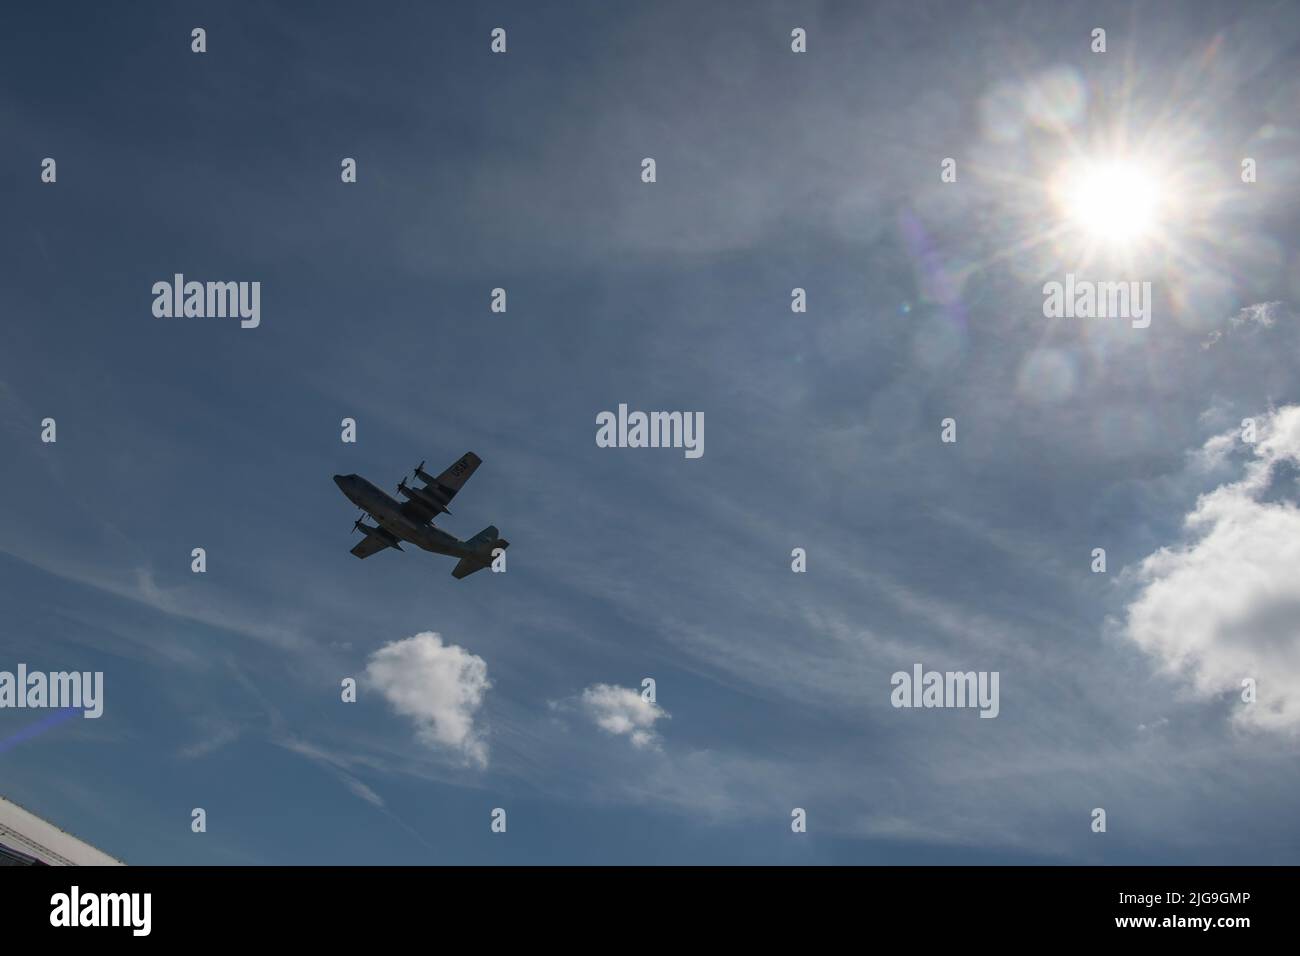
point(339, 479)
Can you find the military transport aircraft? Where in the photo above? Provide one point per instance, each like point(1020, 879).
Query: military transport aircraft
point(412, 520)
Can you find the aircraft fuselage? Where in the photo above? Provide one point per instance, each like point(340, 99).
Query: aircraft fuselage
point(387, 514)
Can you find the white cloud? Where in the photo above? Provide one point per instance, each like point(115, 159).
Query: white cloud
point(622, 711)
point(440, 687)
point(1260, 315)
point(1226, 605)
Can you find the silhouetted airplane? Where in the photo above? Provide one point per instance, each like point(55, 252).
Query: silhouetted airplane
point(412, 520)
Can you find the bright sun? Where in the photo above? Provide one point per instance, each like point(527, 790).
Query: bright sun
point(1113, 202)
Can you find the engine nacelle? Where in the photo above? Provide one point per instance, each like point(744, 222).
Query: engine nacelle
point(429, 480)
point(425, 496)
point(381, 533)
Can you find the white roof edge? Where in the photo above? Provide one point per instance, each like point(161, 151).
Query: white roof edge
point(27, 833)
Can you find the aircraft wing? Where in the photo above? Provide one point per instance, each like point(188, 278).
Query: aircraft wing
point(425, 504)
point(368, 545)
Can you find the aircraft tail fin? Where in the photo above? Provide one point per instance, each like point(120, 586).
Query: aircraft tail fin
point(483, 543)
point(488, 536)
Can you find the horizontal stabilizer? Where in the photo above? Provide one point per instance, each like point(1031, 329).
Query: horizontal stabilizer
point(467, 566)
point(485, 542)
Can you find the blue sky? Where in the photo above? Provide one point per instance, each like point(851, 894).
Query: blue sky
point(775, 170)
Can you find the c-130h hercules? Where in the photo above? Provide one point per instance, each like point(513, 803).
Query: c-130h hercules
point(412, 520)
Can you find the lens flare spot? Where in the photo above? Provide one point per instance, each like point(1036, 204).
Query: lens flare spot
point(1047, 376)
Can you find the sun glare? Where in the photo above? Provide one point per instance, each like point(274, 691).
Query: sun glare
point(1115, 201)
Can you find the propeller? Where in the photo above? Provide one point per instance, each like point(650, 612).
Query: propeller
point(418, 468)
